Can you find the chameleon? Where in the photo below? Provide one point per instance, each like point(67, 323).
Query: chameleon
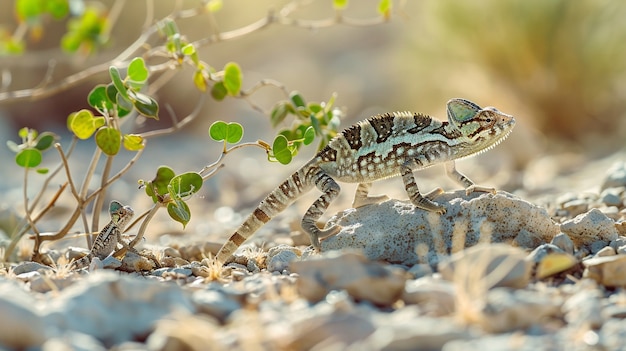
point(383, 146)
point(108, 238)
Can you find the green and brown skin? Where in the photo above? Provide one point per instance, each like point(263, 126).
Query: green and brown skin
point(111, 235)
point(377, 148)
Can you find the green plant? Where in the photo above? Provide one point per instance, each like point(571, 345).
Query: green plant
point(129, 94)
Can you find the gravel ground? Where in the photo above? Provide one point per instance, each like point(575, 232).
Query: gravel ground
point(528, 270)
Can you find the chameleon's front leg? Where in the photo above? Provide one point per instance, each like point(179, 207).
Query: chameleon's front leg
point(330, 190)
point(362, 198)
point(416, 198)
point(470, 187)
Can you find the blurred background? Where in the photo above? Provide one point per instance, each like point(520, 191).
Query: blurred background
point(558, 66)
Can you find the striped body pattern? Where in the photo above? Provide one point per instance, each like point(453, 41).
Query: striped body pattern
point(107, 240)
point(388, 145)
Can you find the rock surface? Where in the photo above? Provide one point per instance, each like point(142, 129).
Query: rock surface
point(391, 230)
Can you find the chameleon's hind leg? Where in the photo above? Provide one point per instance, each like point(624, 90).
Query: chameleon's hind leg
point(330, 190)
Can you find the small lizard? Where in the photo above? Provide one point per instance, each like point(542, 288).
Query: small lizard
point(107, 240)
point(380, 147)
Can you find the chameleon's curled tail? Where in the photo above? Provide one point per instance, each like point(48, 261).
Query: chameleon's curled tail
point(281, 197)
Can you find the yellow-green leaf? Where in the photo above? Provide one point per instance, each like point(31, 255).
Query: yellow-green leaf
point(232, 78)
point(133, 142)
point(82, 124)
point(109, 140)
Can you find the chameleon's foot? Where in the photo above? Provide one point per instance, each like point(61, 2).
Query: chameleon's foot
point(431, 206)
point(425, 201)
point(477, 188)
point(368, 200)
point(321, 234)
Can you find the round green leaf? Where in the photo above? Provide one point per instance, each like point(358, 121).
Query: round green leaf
point(45, 140)
point(82, 124)
point(146, 105)
point(179, 211)
point(109, 140)
point(218, 91)
point(185, 185)
point(309, 135)
point(133, 142)
point(235, 132)
point(218, 131)
point(42, 170)
point(280, 149)
point(232, 78)
point(99, 100)
point(28, 158)
point(137, 71)
point(159, 183)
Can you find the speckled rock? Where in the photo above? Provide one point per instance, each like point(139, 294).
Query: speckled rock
point(280, 257)
point(395, 231)
point(589, 227)
point(363, 280)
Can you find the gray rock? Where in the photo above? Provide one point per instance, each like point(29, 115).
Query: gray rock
point(576, 207)
point(589, 227)
point(480, 263)
point(612, 196)
point(214, 303)
point(507, 310)
point(507, 342)
point(26, 267)
point(606, 251)
point(363, 280)
point(584, 309)
point(187, 272)
point(435, 296)
point(563, 242)
point(420, 270)
point(280, 257)
point(114, 308)
point(608, 271)
point(619, 242)
point(397, 232)
point(21, 324)
point(407, 330)
point(615, 176)
point(71, 340)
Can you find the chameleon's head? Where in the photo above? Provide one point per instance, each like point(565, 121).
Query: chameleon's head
point(484, 127)
point(120, 214)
